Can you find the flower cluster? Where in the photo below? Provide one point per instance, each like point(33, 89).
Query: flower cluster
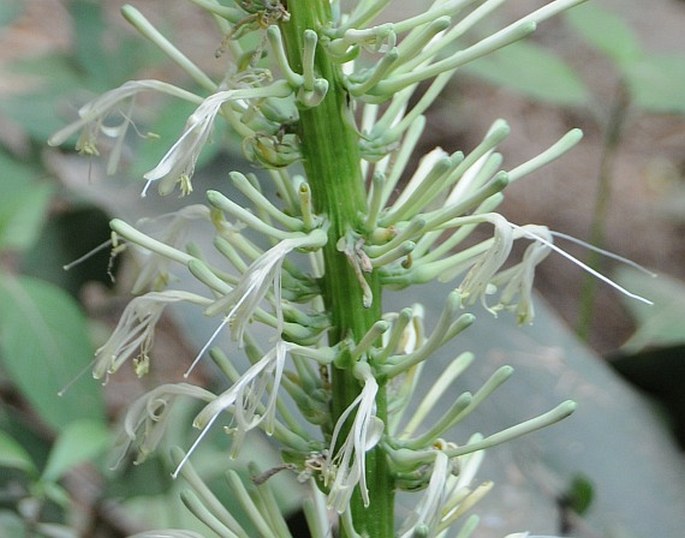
point(388, 240)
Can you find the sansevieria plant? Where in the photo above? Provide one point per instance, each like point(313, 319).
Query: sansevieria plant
point(330, 104)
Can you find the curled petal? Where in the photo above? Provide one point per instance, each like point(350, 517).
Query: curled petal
point(93, 114)
point(178, 165)
point(264, 273)
point(476, 282)
point(347, 467)
point(135, 331)
point(146, 419)
point(245, 398)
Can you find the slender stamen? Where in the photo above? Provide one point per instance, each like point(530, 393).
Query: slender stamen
point(582, 265)
point(603, 252)
point(89, 254)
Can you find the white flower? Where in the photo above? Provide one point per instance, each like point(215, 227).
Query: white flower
point(178, 165)
point(146, 420)
point(476, 283)
point(517, 293)
point(135, 331)
point(154, 271)
point(262, 274)
point(93, 115)
point(347, 467)
point(179, 162)
point(448, 494)
point(245, 400)
point(465, 185)
point(406, 336)
point(428, 512)
point(415, 184)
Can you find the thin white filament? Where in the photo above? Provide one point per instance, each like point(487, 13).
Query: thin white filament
point(603, 252)
point(582, 265)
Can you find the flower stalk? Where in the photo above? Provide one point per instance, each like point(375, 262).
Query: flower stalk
point(331, 158)
point(363, 223)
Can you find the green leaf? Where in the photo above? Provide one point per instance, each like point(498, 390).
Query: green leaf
point(56, 494)
point(23, 204)
point(80, 441)
point(49, 103)
point(534, 71)
point(660, 372)
point(44, 344)
point(89, 31)
point(605, 31)
point(660, 324)
point(657, 83)
point(13, 455)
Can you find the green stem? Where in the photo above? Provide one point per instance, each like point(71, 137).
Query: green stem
point(331, 158)
point(612, 141)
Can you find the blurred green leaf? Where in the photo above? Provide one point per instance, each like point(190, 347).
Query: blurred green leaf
point(653, 359)
point(35, 111)
point(10, 10)
point(80, 441)
point(103, 67)
point(56, 530)
point(660, 372)
point(56, 494)
point(89, 30)
point(45, 345)
point(16, 424)
point(22, 205)
point(533, 71)
point(52, 74)
point(578, 497)
point(660, 324)
point(151, 479)
point(13, 455)
point(605, 31)
point(657, 83)
point(11, 524)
